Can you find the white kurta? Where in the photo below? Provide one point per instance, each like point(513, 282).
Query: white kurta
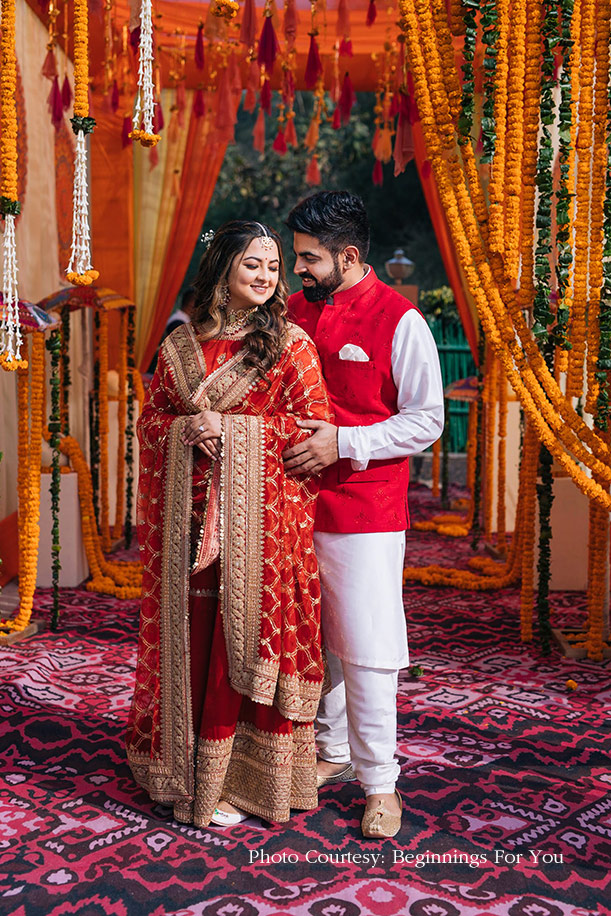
point(361, 574)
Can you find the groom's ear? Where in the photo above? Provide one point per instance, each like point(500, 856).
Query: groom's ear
point(350, 257)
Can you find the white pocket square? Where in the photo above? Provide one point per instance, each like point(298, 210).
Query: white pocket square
point(352, 352)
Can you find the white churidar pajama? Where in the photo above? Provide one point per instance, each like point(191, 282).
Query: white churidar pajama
point(363, 618)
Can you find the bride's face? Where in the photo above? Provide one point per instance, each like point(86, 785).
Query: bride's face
point(254, 274)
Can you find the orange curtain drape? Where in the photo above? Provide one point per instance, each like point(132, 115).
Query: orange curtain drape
point(204, 154)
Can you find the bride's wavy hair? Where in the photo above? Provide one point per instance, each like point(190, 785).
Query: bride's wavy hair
point(265, 342)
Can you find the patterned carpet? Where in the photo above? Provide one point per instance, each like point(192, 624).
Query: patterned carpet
point(505, 779)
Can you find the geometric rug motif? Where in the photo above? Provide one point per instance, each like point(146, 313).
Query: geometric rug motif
point(504, 774)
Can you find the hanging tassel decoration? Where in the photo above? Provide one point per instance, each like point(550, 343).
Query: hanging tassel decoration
point(336, 123)
point(142, 121)
point(311, 138)
point(266, 97)
point(199, 47)
point(346, 100)
point(49, 67)
point(114, 97)
point(258, 134)
point(56, 106)
point(199, 104)
point(290, 134)
point(66, 93)
point(248, 29)
point(279, 145)
point(313, 171)
point(371, 12)
point(378, 174)
point(314, 64)
point(268, 45)
point(342, 29)
point(404, 139)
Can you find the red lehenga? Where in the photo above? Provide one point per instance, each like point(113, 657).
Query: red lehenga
point(229, 667)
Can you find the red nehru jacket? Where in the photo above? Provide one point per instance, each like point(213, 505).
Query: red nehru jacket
point(362, 393)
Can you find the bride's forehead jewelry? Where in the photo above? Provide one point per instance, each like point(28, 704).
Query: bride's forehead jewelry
point(266, 240)
point(207, 237)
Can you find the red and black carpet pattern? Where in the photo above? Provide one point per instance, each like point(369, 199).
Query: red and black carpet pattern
point(505, 780)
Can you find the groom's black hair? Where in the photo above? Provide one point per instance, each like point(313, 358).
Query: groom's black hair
point(335, 218)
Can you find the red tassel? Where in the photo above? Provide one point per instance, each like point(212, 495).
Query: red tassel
point(266, 97)
point(403, 151)
point(346, 99)
point(49, 67)
point(291, 22)
point(337, 119)
point(199, 47)
point(290, 134)
point(371, 12)
point(314, 66)
point(55, 104)
point(153, 157)
point(66, 93)
point(279, 144)
point(258, 134)
point(199, 105)
point(268, 46)
point(125, 132)
point(378, 174)
point(313, 172)
point(248, 29)
point(345, 48)
point(158, 122)
point(114, 97)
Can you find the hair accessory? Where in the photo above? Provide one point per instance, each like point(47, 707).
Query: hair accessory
point(266, 239)
point(207, 237)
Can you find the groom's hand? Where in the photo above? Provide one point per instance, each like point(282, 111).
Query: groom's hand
point(316, 453)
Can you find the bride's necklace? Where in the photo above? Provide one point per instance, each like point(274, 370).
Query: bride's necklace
point(238, 320)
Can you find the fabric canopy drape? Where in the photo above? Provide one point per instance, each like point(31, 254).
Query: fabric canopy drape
point(170, 208)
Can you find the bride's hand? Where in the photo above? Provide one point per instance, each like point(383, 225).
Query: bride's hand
point(202, 427)
point(211, 448)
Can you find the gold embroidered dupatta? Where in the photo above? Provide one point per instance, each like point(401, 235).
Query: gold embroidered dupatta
point(268, 593)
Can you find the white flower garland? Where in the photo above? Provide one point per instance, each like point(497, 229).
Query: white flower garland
point(144, 107)
point(10, 344)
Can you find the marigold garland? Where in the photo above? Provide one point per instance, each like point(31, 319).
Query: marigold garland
point(523, 364)
point(515, 137)
point(30, 401)
point(499, 106)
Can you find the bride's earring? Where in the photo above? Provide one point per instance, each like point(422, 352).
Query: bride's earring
point(225, 297)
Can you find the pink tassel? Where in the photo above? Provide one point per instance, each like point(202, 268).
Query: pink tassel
point(49, 67)
point(153, 158)
point(158, 122)
point(268, 46)
point(199, 105)
point(66, 93)
point(266, 97)
point(279, 144)
point(55, 104)
point(337, 119)
point(291, 22)
point(248, 29)
point(371, 12)
point(290, 134)
point(378, 174)
point(199, 47)
point(346, 99)
point(258, 134)
point(345, 48)
point(114, 97)
point(314, 66)
point(313, 172)
point(125, 131)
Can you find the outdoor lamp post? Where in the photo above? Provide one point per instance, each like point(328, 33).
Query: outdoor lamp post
point(399, 268)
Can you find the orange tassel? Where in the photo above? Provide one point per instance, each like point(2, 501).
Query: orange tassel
point(313, 172)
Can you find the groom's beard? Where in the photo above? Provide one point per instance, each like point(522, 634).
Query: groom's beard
point(324, 288)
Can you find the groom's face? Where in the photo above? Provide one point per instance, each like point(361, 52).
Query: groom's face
point(318, 268)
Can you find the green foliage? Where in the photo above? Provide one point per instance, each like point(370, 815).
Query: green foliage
point(265, 187)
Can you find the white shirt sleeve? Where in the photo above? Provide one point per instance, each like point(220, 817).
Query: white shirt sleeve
point(419, 420)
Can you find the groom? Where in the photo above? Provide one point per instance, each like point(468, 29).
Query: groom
point(382, 369)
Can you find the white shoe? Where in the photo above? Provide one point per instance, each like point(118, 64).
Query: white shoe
point(228, 818)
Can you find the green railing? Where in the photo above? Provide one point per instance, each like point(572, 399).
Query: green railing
point(456, 362)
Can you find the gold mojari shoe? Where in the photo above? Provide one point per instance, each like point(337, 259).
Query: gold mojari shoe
point(379, 822)
point(345, 775)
